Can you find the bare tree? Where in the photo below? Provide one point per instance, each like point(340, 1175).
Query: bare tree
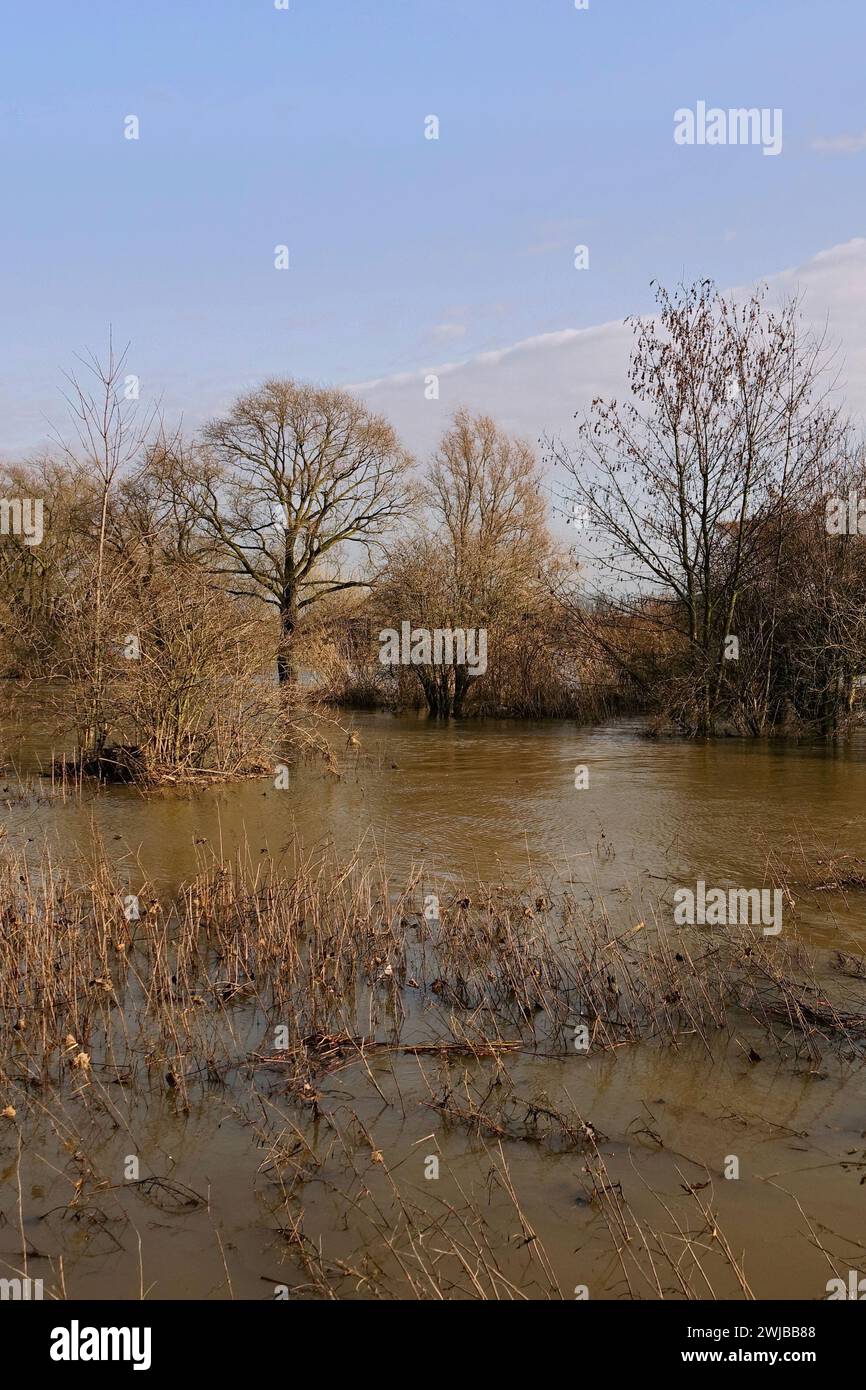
point(292, 493)
point(477, 551)
point(110, 438)
point(726, 421)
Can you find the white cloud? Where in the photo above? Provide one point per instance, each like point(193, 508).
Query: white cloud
point(443, 332)
point(536, 386)
point(532, 387)
point(840, 144)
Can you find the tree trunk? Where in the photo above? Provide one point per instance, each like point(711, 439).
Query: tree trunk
point(286, 670)
point(461, 685)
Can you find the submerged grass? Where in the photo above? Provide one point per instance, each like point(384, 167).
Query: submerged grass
point(294, 998)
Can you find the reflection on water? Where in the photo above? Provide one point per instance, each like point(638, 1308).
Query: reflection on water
point(484, 799)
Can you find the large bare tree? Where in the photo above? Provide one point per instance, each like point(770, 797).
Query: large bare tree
point(686, 481)
point(293, 491)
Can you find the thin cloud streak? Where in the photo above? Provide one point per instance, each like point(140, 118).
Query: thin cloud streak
point(534, 387)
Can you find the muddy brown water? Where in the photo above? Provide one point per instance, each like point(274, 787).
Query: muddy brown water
point(491, 801)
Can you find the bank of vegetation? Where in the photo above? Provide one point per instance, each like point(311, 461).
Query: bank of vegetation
point(196, 601)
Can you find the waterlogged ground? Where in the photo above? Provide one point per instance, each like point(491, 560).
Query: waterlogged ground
point(489, 798)
point(248, 1179)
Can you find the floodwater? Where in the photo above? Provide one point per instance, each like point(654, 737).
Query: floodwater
point(491, 800)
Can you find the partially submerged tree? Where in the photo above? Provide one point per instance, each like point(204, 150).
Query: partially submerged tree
point(291, 494)
point(478, 549)
point(111, 437)
point(688, 482)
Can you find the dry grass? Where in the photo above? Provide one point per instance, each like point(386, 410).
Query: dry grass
point(282, 991)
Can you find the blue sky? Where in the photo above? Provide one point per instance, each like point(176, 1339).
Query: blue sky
point(306, 127)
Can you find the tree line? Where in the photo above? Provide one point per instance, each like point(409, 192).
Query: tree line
point(195, 597)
